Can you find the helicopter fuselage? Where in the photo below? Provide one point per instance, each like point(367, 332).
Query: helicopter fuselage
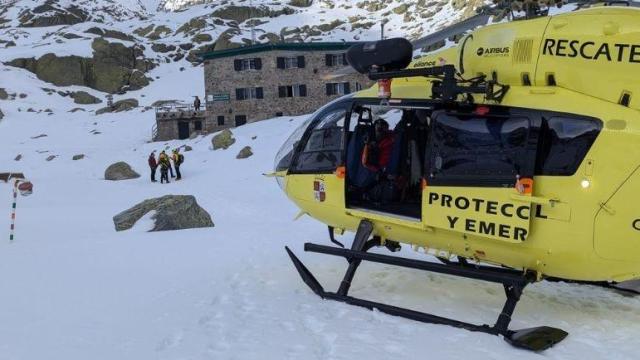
point(569, 124)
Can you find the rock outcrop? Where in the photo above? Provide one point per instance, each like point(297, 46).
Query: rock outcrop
point(120, 171)
point(113, 68)
point(48, 15)
point(172, 212)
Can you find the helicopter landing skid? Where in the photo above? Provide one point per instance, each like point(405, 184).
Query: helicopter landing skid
point(535, 339)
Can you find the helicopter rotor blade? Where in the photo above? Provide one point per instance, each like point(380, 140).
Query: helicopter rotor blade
point(434, 38)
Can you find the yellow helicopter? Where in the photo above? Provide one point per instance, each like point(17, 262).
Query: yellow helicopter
point(512, 158)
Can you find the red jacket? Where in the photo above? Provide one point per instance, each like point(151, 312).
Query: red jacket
point(152, 161)
point(384, 147)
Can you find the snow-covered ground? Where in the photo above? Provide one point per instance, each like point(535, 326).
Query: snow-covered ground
point(73, 288)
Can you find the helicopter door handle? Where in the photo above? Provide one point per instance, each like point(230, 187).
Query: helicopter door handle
point(534, 199)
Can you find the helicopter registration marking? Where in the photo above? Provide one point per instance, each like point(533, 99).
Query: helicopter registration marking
point(504, 220)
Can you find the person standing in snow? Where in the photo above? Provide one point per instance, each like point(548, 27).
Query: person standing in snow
point(170, 166)
point(165, 165)
point(153, 164)
point(196, 103)
point(177, 161)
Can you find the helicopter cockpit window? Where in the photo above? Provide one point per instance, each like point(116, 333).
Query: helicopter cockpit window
point(478, 150)
point(323, 150)
point(285, 154)
point(566, 142)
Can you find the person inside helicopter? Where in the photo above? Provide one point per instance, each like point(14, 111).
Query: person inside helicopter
point(387, 173)
point(376, 156)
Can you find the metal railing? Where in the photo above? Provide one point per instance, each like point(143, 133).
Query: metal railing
point(178, 111)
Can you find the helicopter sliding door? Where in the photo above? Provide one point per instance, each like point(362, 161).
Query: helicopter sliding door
point(479, 167)
point(384, 158)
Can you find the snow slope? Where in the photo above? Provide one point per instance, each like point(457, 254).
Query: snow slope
point(73, 288)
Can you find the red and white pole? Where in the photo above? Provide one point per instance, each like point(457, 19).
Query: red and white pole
point(13, 210)
point(26, 188)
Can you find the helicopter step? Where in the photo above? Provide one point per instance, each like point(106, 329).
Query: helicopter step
point(535, 339)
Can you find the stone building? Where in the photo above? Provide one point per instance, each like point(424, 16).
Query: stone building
point(259, 82)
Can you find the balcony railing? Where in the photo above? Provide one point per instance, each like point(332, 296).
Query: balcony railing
point(178, 111)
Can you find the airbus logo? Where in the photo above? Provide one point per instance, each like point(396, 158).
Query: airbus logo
point(493, 51)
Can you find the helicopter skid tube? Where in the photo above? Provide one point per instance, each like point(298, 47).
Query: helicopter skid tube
point(535, 339)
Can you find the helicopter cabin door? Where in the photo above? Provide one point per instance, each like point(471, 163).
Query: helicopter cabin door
point(316, 176)
point(479, 170)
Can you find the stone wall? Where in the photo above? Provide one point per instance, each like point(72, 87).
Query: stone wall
point(168, 124)
point(222, 78)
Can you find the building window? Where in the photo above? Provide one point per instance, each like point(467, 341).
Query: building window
point(247, 64)
point(336, 59)
point(292, 91)
point(241, 120)
point(338, 89)
point(197, 126)
point(290, 62)
point(221, 120)
point(249, 93)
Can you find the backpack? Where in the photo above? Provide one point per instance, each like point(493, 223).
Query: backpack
point(180, 159)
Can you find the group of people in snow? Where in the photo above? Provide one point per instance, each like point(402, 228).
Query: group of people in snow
point(165, 162)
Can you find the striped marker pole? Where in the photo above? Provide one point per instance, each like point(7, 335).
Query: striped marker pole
point(13, 210)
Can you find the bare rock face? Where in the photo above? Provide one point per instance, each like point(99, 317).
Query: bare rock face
point(120, 171)
point(172, 212)
point(223, 140)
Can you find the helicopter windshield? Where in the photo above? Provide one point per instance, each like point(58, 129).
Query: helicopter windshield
point(286, 152)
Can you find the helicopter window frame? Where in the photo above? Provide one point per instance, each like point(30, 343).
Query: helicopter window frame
point(550, 150)
point(523, 156)
point(339, 106)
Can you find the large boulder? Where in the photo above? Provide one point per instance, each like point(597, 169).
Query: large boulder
point(120, 171)
point(223, 140)
point(118, 106)
point(172, 212)
point(3, 94)
point(84, 98)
